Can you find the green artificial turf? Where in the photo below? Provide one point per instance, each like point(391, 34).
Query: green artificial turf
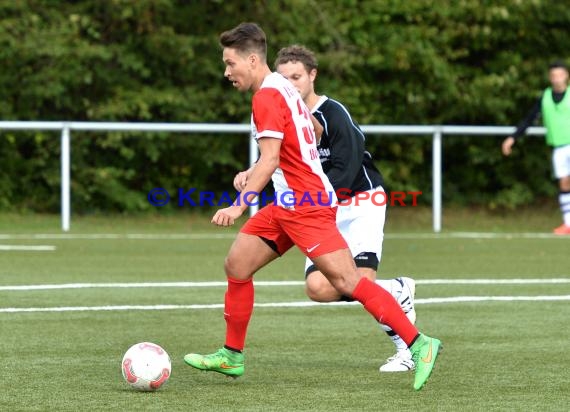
point(498, 355)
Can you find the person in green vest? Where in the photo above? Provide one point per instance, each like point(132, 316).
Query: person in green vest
point(554, 104)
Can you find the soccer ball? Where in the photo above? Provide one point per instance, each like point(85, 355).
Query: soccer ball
point(146, 366)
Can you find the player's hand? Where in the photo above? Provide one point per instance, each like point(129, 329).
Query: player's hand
point(240, 180)
point(227, 216)
point(508, 145)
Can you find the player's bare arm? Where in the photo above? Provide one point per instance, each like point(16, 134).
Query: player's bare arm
point(259, 177)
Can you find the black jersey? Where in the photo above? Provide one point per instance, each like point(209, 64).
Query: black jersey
point(343, 156)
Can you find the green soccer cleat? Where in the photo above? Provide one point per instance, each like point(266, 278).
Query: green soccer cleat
point(224, 361)
point(424, 353)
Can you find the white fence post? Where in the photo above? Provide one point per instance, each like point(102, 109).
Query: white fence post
point(437, 176)
point(253, 154)
point(65, 178)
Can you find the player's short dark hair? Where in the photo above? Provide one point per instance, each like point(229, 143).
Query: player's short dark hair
point(297, 53)
point(558, 64)
point(245, 38)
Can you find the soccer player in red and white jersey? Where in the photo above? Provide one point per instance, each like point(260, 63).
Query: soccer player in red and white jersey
point(289, 157)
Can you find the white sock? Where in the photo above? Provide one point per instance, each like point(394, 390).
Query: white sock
point(397, 340)
point(394, 288)
point(564, 200)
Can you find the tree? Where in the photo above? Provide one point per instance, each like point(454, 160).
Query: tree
point(390, 62)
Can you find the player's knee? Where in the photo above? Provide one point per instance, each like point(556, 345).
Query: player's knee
point(233, 269)
point(314, 294)
point(228, 266)
point(319, 289)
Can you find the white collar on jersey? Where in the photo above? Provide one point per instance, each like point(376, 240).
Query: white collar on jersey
point(321, 100)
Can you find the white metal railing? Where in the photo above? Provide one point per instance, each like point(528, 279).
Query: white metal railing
point(436, 131)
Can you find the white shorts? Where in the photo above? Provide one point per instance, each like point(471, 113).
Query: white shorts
point(362, 225)
point(560, 161)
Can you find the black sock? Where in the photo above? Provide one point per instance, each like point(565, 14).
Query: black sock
point(232, 349)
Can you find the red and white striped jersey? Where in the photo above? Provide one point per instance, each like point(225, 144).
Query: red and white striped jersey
point(278, 112)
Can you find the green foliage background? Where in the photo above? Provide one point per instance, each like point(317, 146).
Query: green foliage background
point(390, 62)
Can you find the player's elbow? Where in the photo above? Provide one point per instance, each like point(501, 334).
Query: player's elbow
point(270, 162)
point(339, 181)
point(340, 185)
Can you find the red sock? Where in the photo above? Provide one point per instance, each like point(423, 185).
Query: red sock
point(237, 311)
point(384, 308)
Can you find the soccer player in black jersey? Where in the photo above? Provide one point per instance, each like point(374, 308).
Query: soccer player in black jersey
point(351, 170)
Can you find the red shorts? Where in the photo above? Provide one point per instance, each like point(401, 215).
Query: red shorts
point(313, 230)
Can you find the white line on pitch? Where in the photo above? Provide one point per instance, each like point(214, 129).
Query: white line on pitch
point(142, 285)
point(27, 248)
point(129, 236)
point(210, 235)
point(475, 235)
point(490, 281)
point(303, 304)
point(271, 283)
